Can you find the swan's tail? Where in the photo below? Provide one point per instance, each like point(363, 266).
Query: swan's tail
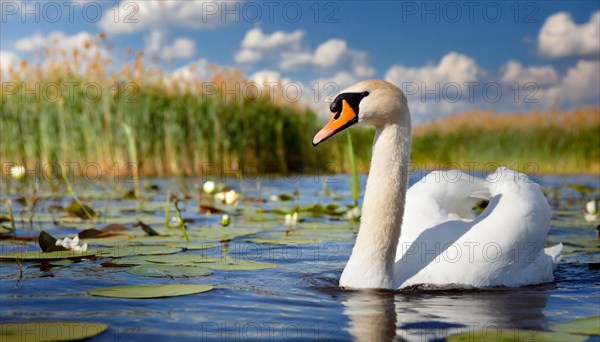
point(553, 253)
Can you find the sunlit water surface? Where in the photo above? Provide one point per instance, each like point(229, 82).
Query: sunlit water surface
point(298, 300)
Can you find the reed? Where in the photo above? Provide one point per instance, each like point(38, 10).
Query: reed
point(72, 107)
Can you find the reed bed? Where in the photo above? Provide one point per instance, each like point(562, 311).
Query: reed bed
point(72, 107)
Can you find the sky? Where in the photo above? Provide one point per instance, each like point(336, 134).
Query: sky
point(448, 57)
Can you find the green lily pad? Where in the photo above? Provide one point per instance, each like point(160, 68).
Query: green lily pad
point(131, 250)
point(587, 326)
point(166, 271)
point(291, 240)
point(50, 331)
point(511, 335)
point(42, 256)
point(170, 259)
point(239, 265)
point(150, 291)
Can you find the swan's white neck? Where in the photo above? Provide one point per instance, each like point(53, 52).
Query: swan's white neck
point(371, 264)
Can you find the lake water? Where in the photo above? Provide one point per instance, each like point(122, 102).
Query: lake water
point(299, 299)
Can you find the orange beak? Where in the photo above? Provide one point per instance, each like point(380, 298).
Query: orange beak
point(340, 121)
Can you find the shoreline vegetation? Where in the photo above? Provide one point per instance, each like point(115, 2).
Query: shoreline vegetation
point(76, 108)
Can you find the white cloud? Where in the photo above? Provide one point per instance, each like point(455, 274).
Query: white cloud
point(580, 85)
point(136, 16)
point(453, 67)
point(197, 70)
point(561, 36)
point(287, 51)
point(248, 56)
point(181, 48)
point(256, 39)
point(424, 86)
point(56, 42)
point(514, 72)
point(8, 59)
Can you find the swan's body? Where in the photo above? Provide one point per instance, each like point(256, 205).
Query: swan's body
point(428, 234)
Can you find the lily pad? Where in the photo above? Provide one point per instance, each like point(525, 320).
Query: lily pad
point(170, 259)
point(42, 256)
point(510, 335)
point(130, 250)
point(168, 271)
point(50, 331)
point(150, 291)
point(239, 265)
point(587, 326)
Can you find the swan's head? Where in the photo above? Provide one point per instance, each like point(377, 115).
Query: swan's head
point(371, 102)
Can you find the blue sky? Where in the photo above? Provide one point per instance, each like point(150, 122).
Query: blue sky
point(437, 47)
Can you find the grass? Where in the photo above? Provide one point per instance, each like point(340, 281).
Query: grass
point(81, 103)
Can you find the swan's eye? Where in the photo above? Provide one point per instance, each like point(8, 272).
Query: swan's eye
point(335, 107)
point(365, 93)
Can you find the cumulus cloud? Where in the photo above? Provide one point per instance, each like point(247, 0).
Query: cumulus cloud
point(84, 42)
point(181, 48)
point(453, 67)
point(514, 72)
point(8, 59)
point(288, 52)
point(562, 37)
point(580, 85)
point(137, 16)
point(196, 70)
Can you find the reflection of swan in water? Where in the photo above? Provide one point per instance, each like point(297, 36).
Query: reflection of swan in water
point(423, 316)
point(372, 315)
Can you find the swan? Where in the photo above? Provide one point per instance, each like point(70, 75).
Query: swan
point(428, 234)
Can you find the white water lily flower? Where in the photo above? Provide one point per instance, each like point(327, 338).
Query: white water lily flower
point(274, 198)
point(175, 221)
point(225, 220)
point(220, 197)
point(291, 219)
point(591, 211)
point(353, 214)
point(72, 244)
point(209, 187)
point(232, 196)
point(18, 172)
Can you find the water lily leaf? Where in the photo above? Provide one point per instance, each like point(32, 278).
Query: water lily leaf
point(195, 246)
point(89, 233)
point(209, 209)
point(150, 291)
point(146, 228)
point(587, 326)
point(166, 271)
point(80, 210)
point(239, 265)
point(511, 335)
point(178, 259)
point(170, 259)
point(42, 256)
point(112, 241)
point(285, 240)
point(50, 331)
point(48, 243)
point(130, 250)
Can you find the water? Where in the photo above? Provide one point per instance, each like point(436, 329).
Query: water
point(299, 300)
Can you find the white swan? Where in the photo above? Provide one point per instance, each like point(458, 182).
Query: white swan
point(440, 243)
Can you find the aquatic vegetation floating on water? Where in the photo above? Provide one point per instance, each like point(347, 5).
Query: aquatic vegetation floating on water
point(150, 291)
point(225, 220)
point(587, 326)
point(513, 335)
point(169, 271)
point(591, 211)
point(50, 331)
